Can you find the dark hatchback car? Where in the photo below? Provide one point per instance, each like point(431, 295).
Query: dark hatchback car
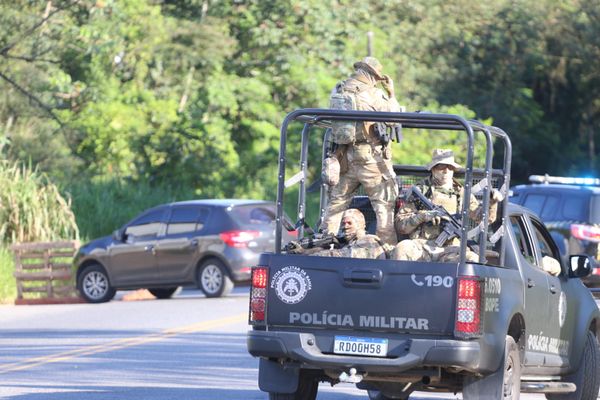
point(570, 208)
point(209, 243)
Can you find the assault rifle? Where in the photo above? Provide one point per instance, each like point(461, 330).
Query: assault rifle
point(317, 241)
point(450, 226)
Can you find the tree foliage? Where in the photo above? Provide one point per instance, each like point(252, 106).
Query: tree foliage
point(191, 93)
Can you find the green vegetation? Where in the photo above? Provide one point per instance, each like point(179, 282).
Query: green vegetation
point(8, 289)
point(31, 208)
point(104, 206)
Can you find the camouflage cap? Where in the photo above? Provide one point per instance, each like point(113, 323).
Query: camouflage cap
point(372, 65)
point(442, 156)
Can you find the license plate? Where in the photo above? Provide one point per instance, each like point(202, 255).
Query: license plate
point(360, 346)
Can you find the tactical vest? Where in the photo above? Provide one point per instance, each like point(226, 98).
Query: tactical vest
point(344, 98)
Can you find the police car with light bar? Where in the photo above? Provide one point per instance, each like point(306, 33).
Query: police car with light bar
point(570, 209)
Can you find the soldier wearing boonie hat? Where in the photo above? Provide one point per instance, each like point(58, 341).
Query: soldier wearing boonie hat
point(423, 226)
point(364, 160)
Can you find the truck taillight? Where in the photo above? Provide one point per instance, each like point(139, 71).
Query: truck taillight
point(258, 295)
point(468, 307)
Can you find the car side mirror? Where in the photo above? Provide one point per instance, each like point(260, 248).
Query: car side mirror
point(580, 266)
point(118, 235)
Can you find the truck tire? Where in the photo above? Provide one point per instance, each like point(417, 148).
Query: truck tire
point(307, 389)
point(213, 278)
point(502, 384)
point(586, 378)
point(94, 286)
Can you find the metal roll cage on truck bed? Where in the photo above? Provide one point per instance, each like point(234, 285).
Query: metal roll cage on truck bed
point(489, 329)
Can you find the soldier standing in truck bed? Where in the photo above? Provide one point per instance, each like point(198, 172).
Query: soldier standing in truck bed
point(423, 226)
point(364, 159)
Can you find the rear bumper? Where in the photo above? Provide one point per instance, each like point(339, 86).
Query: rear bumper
point(404, 354)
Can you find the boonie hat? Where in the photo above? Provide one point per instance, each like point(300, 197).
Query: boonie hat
point(442, 156)
point(372, 65)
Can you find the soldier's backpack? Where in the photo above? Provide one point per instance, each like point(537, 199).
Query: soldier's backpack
point(343, 97)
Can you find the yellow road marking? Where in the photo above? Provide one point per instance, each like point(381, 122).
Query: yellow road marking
point(121, 343)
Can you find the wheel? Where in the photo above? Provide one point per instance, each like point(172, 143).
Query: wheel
point(307, 389)
point(163, 293)
point(502, 384)
point(94, 286)
point(213, 278)
point(586, 378)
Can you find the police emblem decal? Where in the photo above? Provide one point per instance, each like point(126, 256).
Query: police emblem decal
point(562, 309)
point(291, 284)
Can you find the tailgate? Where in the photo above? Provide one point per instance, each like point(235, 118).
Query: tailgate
point(360, 294)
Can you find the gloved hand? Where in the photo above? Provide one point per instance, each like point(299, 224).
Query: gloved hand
point(427, 216)
point(496, 196)
point(293, 247)
point(388, 85)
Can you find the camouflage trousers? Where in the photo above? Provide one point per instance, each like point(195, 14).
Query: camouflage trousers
point(382, 190)
point(427, 250)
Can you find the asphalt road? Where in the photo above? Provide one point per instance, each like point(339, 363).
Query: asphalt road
point(189, 347)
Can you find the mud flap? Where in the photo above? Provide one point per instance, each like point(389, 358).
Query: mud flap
point(274, 378)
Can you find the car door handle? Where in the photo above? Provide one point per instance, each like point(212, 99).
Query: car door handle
point(552, 289)
point(530, 283)
point(193, 242)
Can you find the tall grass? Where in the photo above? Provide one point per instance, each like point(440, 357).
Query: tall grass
point(32, 208)
point(8, 288)
point(103, 206)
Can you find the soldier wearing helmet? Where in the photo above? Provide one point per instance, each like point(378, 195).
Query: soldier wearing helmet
point(423, 226)
point(365, 160)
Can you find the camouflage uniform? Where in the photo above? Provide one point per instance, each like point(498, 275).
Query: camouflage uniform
point(366, 162)
point(359, 244)
point(363, 246)
point(421, 243)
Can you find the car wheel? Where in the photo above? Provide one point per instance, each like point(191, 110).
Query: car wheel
point(502, 384)
point(586, 378)
point(307, 389)
point(163, 293)
point(94, 286)
point(213, 278)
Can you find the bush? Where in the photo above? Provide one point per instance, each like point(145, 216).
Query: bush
point(31, 207)
point(103, 206)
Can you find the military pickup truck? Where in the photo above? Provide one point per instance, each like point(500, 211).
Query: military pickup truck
point(489, 329)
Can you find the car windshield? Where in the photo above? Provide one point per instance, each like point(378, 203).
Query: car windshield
point(257, 214)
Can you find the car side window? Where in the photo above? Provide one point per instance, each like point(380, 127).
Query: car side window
point(146, 227)
point(186, 219)
point(544, 242)
point(518, 228)
point(535, 202)
point(575, 208)
point(550, 207)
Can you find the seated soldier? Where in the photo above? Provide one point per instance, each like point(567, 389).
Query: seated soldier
point(355, 242)
point(423, 226)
